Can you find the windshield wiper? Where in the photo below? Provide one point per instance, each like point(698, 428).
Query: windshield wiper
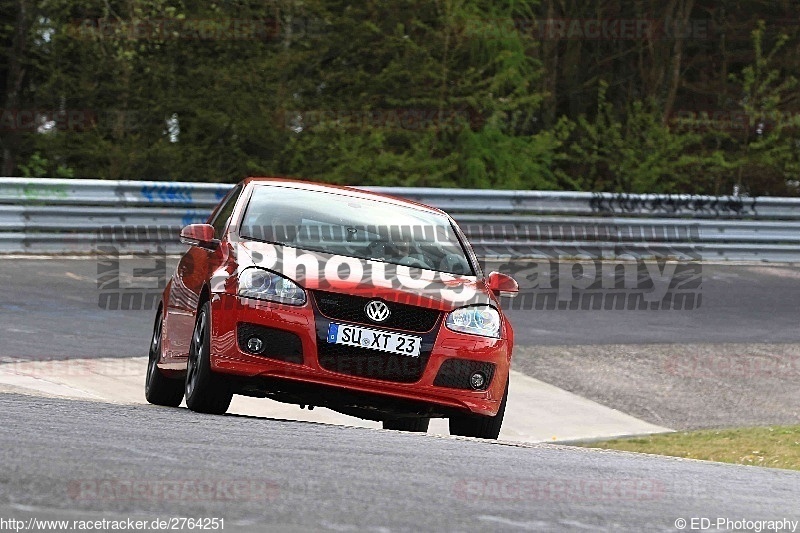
point(255, 239)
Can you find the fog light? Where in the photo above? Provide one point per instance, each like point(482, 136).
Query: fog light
point(477, 380)
point(255, 345)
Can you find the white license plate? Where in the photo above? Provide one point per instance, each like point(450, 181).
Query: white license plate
point(374, 339)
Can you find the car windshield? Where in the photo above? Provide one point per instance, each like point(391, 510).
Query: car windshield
point(356, 227)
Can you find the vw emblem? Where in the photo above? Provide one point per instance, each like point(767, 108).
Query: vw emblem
point(377, 311)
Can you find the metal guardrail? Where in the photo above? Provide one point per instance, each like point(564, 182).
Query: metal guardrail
point(79, 216)
point(605, 204)
point(31, 191)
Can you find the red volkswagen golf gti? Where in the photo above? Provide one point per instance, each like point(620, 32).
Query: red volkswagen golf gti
point(317, 295)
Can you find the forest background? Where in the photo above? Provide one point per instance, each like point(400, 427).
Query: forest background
point(678, 96)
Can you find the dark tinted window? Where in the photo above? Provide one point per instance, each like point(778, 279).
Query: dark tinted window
point(352, 226)
point(220, 220)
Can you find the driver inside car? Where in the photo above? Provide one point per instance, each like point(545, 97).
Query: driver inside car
point(406, 253)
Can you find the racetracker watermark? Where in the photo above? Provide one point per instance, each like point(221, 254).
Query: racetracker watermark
point(123, 524)
point(564, 268)
point(161, 490)
point(736, 366)
point(394, 119)
point(564, 490)
point(577, 489)
point(175, 29)
point(734, 122)
point(591, 29)
point(43, 367)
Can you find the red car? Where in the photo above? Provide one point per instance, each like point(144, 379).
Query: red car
point(318, 295)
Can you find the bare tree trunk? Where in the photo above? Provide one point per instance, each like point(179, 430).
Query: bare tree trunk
point(550, 60)
point(14, 81)
point(681, 23)
point(723, 82)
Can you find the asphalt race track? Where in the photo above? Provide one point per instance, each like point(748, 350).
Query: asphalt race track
point(51, 309)
point(740, 304)
point(305, 477)
point(82, 460)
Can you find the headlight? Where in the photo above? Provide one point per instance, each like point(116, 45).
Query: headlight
point(266, 285)
point(477, 319)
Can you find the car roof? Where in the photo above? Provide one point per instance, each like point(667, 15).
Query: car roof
point(341, 189)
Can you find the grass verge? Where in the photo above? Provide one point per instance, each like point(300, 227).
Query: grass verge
point(775, 446)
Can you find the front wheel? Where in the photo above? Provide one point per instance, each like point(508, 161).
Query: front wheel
point(480, 426)
point(416, 425)
point(159, 389)
point(206, 392)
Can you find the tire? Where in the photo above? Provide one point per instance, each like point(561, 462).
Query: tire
point(206, 392)
point(416, 425)
point(158, 388)
point(480, 426)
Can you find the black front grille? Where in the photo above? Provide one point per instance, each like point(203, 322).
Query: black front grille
point(372, 364)
point(455, 373)
point(351, 309)
point(278, 344)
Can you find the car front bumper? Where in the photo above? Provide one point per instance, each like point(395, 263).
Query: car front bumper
point(301, 364)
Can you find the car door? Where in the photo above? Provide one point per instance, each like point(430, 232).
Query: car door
point(192, 273)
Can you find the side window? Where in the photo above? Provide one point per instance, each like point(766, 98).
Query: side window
point(220, 220)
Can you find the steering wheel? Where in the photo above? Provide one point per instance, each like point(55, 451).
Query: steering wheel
point(377, 249)
point(413, 262)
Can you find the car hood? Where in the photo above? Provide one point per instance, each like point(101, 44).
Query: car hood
point(370, 278)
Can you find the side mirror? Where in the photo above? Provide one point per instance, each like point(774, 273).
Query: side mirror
point(502, 285)
point(201, 235)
